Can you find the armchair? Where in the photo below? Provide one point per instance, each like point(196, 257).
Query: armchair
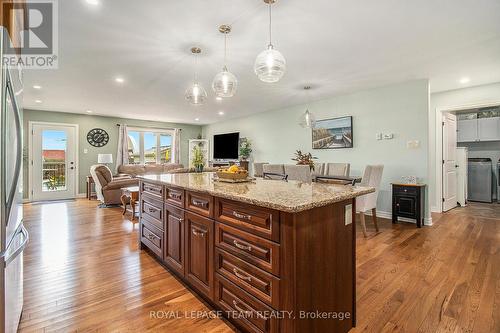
point(107, 187)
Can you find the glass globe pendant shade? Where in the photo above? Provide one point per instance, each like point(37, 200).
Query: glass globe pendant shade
point(225, 84)
point(307, 120)
point(196, 94)
point(270, 65)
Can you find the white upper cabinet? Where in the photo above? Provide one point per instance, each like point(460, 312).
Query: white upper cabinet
point(489, 129)
point(482, 129)
point(467, 130)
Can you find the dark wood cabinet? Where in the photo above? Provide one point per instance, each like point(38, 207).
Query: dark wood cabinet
point(174, 239)
point(408, 201)
point(199, 253)
point(248, 259)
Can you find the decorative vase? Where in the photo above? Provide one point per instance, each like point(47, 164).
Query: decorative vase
point(198, 168)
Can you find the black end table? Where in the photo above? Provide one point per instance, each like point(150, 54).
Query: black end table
point(408, 200)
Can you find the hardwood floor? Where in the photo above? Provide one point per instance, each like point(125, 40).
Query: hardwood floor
point(83, 272)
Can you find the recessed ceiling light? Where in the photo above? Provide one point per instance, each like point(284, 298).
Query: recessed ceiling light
point(464, 80)
point(221, 113)
point(89, 111)
point(119, 80)
point(218, 98)
point(196, 119)
point(93, 2)
point(38, 101)
point(36, 86)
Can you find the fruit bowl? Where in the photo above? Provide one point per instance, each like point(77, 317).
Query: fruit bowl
point(240, 174)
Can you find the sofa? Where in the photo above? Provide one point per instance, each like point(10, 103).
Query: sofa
point(134, 170)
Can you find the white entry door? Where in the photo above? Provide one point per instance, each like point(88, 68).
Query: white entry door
point(449, 161)
point(53, 169)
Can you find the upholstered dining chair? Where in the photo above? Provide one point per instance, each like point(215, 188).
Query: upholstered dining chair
point(258, 169)
point(372, 178)
point(274, 171)
point(337, 169)
point(298, 172)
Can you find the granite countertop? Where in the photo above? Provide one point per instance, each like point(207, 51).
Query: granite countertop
point(291, 196)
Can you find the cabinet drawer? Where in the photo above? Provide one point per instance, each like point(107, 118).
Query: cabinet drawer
point(255, 250)
point(259, 221)
point(152, 238)
point(200, 203)
point(153, 189)
point(246, 310)
point(253, 280)
point(174, 196)
point(413, 190)
point(152, 221)
point(149, 209)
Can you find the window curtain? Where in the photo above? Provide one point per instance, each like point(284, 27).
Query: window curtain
point(177, 145)
point(122, 154)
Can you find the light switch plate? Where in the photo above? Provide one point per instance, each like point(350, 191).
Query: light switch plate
point(388, 136)
point(378, 136)
point(85, 151)
point(348, 214)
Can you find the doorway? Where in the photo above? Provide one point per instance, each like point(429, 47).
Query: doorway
point(53, 161)
point(449, 162)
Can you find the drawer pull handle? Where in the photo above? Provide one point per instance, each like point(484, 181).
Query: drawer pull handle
point(199, 233)
point(199, 203)
point(235, 304)
point(241, 246)
point(152, 210)
point(241, 276)
point(242, 216)
point(175, 196)
point(152, 189)
point(151, 237)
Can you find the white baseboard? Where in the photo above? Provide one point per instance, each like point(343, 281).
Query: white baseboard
point(78, 196)
point(388, 215)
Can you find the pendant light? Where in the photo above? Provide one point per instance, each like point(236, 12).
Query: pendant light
point(225, 83)
point(307, 120)
point(270, 65)
point(196, 94)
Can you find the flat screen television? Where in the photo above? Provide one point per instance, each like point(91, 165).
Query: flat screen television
point(226, 146)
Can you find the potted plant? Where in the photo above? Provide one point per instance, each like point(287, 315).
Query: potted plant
point(245, 149)
point(198, 159)
point(304, 159)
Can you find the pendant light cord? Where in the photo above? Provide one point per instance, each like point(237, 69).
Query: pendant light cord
point(225, 49)
point(270, 22)
point(195, 68)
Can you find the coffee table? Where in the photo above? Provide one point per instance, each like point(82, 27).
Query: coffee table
point(130, 195)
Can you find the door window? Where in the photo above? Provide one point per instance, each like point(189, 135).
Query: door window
point(54, 147)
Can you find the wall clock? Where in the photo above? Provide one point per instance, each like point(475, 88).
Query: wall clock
point(97, 137)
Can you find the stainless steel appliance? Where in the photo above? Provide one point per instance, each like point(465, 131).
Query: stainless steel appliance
point(479, 179)
point(498, 181)
point(13, 235)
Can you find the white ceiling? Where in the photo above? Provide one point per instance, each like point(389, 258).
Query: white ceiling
point(337, 46)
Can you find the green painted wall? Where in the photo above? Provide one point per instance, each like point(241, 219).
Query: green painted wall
point(86, 123)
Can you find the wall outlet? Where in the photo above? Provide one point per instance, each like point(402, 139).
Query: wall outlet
point(413, 144)
point(85, 151)
point(378, 136)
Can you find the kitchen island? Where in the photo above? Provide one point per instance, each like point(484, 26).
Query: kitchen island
point(272, 256)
